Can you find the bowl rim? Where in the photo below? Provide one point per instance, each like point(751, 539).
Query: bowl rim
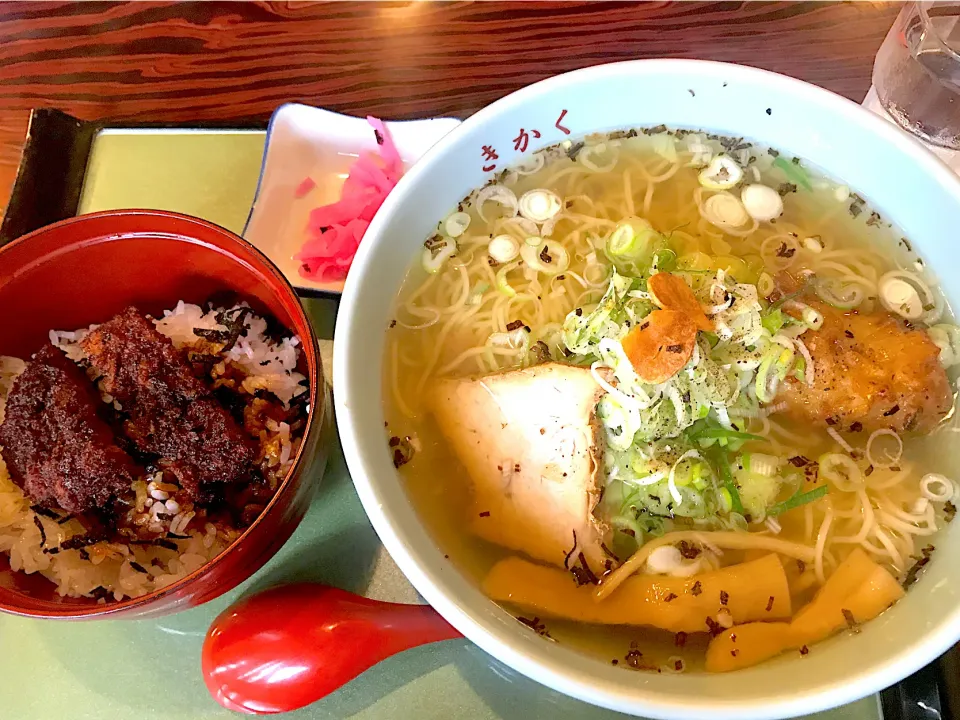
point(506, 644)
point(130, 606)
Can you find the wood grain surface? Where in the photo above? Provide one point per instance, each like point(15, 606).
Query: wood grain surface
point(223, 61)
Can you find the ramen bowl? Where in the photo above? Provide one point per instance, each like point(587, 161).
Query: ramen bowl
point(888, 168)
point(86, 269)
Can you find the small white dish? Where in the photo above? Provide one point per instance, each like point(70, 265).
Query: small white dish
point(308, 142)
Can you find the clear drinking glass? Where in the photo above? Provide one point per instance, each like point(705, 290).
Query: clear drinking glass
point(917, 72)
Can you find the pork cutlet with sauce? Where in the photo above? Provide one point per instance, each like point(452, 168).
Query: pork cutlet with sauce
point(171, 413)
point(57, 447)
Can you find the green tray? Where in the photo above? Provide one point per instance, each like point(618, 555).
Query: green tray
point(150, 669)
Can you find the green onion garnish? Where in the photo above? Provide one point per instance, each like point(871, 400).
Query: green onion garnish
point(794, 173)
point(798, 500)
point(721, 461)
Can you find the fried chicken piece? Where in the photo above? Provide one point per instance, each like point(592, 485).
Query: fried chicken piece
point(172, 413)
point(871, 372)
point(56, 445)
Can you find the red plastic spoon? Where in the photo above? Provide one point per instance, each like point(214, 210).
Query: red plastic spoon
point(287, 647)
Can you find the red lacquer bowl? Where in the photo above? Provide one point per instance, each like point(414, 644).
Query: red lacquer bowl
point(86, 269)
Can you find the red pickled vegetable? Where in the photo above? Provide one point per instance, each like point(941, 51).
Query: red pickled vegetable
point(334, 231)
point(304, 187)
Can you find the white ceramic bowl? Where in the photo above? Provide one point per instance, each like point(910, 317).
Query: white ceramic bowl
point(892, 171)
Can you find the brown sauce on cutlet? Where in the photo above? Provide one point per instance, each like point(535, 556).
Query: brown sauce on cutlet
point(56, 445)
point(170, 412)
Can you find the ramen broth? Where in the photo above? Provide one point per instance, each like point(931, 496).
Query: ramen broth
point(470, 307)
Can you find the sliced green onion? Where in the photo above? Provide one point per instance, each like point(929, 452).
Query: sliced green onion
point(539, 205)
point(502, 285)
point(722, 433)
point(632, 240)
point(812, 317)
point(434, 257)
point(664, 260)
point(503, 248)
point(762, 203)
point(547, 257)
point(725, 211)
point(456, 224)
point(794, 172)
point(842, 297)
point(773, 368)
point(477, 295)
point(798, 500)
point(721, 463)
point(772, 320)
point(722, 173)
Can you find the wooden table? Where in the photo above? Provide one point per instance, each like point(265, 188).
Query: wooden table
point(237, 61)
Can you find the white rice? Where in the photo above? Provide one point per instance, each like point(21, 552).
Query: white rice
point(133, 570)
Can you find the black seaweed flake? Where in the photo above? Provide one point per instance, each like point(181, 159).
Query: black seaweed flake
point(724, 597)
point(403, 450)
point(801, 567)
point(379, 136)
point(856, 427)
point(851, 620)
point(485, 513)
point(670, 597)
point(874, 219)
point(949, 511)
point(609, 552)
point(575, 150)
point(732, 145)
point(582, 572)
point(674, 348)
point(515, 325)
point(235, 322)
point(906, 244)
point(798, 461)
point(43, 533)
point(770, 603)
point(786, 252)
point(804, 650)
point(773, 153)
point(138, 567)
point(688, 551)
point(713, 626)
point(535, 625)
point(100, 593)
point(914, 571)
point(696, 589)
point(784, 189)
point(84, 555)
point(892, 411)
point(632, 658)
point(545, 256)
point(175, 536)
point(45, 512)
point(158, 542)
point(680, 639)
point(856, 206)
